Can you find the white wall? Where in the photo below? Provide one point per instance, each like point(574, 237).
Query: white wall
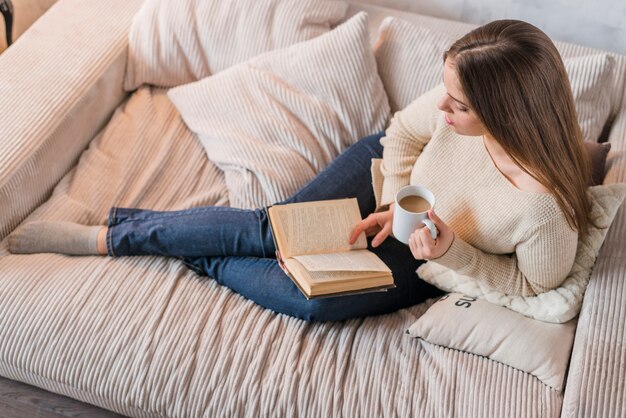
point(597, 23)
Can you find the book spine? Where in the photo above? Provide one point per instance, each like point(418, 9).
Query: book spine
point(281, 263)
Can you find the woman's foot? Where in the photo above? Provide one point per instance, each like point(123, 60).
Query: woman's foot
point(58, 237)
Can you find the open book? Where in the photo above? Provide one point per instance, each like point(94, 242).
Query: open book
point(312, 242)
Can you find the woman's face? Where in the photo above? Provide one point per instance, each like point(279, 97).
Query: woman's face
point(460, 117)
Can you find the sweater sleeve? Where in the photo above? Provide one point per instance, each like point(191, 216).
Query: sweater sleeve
point(540, 263)
point(409, 131)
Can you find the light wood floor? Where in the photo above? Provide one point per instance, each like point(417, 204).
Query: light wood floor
point(18, 400)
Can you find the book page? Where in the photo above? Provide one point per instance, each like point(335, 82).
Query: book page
point(316, 227)
point(330, 283)
point(360, 260)
point(341, 276)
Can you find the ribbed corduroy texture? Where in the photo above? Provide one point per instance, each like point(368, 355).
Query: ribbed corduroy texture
point(458, 384)
point(273, 122)
point(408, 71)
point(177, 42)
point(145, 337)
point(595, 385)
point(51, 97)
point(591, 78)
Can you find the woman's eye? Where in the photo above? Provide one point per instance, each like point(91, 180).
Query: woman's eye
point(463, 109)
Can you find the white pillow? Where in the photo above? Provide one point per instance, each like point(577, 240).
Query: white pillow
point(410, 62)
point(479, 327)
point(177, 42)
point(275, 121)
point(558, 305)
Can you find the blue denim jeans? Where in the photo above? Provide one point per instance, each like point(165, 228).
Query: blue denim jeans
point(235, 246)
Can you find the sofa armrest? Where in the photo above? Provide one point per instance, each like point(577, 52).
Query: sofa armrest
point(59, 84)
point(596, 383)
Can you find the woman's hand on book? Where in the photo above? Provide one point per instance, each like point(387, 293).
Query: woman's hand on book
point(378, 224)
point(424, 247)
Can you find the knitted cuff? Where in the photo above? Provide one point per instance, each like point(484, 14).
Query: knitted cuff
point(459, 255)
point(391, 186)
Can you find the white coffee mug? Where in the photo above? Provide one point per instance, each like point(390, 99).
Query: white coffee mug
point(406, 222)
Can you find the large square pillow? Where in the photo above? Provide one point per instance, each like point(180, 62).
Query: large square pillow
point(275, 121)
point(410, 62)
point(558, 305)
point(478, 327)
point(177, 42)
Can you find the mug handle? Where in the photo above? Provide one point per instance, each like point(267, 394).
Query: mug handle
point(433, 229)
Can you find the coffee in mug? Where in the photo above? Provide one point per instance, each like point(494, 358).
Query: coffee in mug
point(411, 212)
point(414, 203)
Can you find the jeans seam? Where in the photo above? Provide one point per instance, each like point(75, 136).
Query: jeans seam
point(258, 217)
point(184, 212)
point(109, 240)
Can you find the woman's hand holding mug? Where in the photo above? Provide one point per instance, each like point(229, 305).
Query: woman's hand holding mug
point(415, 223)
point(422, 244)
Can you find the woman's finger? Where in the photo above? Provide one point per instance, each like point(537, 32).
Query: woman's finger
point(362, 226)
point(415, 246)
point(425, 247)
point(412, 246)
point(427, 238)
point(382, 235)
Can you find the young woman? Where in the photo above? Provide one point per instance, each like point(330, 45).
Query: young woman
point(499, 145)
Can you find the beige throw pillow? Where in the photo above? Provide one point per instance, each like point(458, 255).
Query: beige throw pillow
point(409, 59)
point(591, 78)
point(177, 42)
point(275, 121)
point(558, 305)
point(479, 327)
point(410, 62)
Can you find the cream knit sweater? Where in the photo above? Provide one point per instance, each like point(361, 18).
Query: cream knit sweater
point(514, 241)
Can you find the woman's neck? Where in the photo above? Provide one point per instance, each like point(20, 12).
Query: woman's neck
point(495, 149)
point(505, 164)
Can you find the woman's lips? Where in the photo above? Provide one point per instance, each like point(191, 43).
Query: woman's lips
point(448, 121)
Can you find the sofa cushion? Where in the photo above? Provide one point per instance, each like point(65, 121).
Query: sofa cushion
point(409, 59)
point(591, 78)
point(410, 62)
point(482, 328)
point(176, 42)
point(275, 121)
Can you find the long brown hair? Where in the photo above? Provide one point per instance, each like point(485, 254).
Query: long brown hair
point(514, 79)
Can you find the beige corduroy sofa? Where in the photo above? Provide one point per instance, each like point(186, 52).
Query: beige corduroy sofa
point(145, 336)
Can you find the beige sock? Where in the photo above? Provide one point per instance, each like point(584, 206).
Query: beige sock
point(55, 237)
